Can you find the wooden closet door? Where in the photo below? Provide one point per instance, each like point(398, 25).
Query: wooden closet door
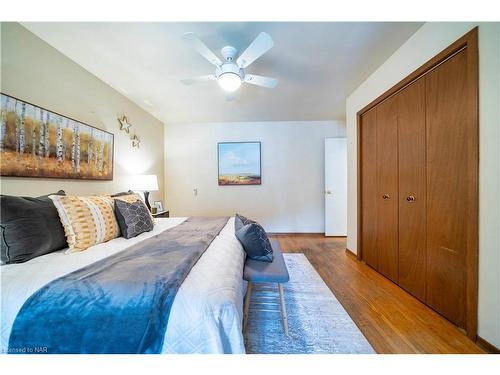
point(412, 189)
point(448, 104)
point(387, 188)
point(368, 162)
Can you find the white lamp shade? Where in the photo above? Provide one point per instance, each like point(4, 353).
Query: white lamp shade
point(144, 182)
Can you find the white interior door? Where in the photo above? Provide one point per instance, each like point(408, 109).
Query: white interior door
point(335, 187)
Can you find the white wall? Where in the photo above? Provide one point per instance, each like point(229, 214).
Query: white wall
point(291, 197)
point(36, 72)
point(429, 40)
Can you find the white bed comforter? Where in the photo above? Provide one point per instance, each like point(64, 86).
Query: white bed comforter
point(206, 315)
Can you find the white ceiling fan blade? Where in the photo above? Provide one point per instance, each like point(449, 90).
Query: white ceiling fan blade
point(267, 82)
point(190, 81)
point(200, 47)
point(256, 49)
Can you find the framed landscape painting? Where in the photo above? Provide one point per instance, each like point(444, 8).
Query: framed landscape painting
point(239, 163)
point(36, 142)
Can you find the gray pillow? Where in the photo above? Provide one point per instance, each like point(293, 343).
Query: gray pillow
point(122, 193)
point(255, 242)
point(30, 227)
point(133, 218)
point(240, 221)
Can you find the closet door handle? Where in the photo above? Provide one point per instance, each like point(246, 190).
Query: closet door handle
point(410, 199)
point(386, 196)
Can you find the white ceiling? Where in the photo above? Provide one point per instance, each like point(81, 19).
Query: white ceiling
point(318, 65)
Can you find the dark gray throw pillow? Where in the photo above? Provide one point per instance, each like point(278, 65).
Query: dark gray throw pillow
point(133, 218)
point(255, 242)
point(29, 227)
point(240, 221)
point(122, 193)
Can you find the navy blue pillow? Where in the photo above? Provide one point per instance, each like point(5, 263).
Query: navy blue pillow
point(240, 222)
point(254, 240)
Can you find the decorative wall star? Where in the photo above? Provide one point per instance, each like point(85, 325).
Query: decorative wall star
point(124, 124)
point(135, 141)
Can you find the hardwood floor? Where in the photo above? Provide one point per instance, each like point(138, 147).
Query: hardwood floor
point(392, 320)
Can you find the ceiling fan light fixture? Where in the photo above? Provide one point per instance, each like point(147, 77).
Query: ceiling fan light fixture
point(229, 81)
point(230, 73)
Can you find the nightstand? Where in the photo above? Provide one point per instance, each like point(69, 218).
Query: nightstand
point(161, 214)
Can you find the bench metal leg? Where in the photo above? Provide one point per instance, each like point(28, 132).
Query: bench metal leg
point(247, 306)
point(284, 317)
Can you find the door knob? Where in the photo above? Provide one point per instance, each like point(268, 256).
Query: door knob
point(328, 192)
point(386, 196)
point(410, 198)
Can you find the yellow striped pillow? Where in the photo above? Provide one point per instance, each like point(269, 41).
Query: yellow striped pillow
point(131, 198)
point(87, 221)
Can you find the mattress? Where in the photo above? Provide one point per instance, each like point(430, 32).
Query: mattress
point(206, 316)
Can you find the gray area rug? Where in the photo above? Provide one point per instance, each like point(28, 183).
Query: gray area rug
point(317, 321)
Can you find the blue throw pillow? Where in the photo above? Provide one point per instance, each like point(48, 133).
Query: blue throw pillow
point(254, 240)
point(240, 221)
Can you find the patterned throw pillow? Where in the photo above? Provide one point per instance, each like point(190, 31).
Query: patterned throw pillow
point(254, 240)
point(133, 218)
point(87, 221)
point(240, 221)
point(131, 198)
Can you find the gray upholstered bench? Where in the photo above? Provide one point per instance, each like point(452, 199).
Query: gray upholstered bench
point(267, 272)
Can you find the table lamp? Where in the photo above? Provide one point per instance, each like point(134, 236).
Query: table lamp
point(145, 183)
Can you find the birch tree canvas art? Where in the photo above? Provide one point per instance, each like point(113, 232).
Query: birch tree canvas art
point(35, 142)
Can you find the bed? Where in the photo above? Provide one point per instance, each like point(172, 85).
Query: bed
point(206, 315)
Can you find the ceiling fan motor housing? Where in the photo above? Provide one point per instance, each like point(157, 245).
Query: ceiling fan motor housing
point(229, 53)
point(229, 68)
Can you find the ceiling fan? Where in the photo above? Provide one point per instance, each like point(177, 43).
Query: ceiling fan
point(230, 73)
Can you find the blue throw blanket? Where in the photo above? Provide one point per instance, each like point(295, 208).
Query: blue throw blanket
point(119, 304)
